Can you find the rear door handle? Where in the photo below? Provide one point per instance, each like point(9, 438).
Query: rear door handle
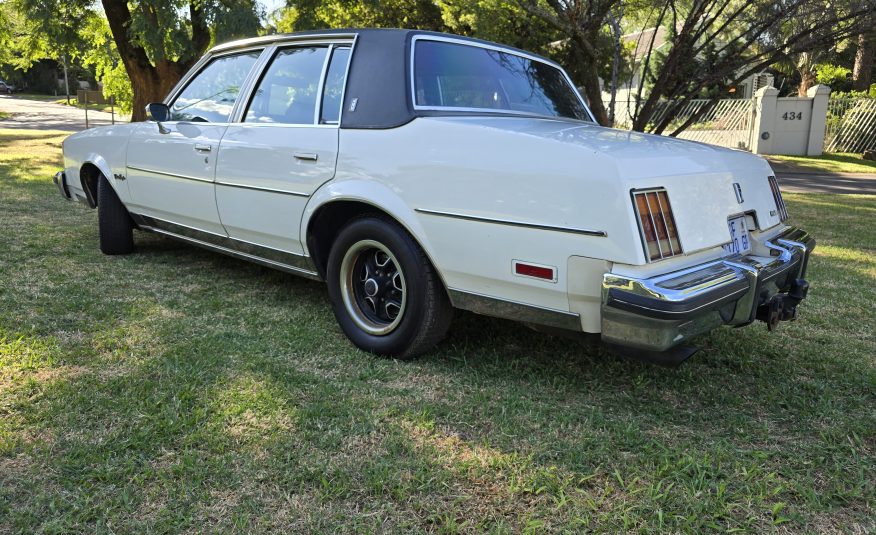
point(203, 148)
point(309, 156)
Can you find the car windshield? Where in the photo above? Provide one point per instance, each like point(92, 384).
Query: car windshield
point(465, 77)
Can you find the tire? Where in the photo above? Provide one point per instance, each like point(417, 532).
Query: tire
point(386, 296)
point(115, 228)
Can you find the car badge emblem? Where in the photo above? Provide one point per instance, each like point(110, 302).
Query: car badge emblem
point(353, 104)
point(737, 189)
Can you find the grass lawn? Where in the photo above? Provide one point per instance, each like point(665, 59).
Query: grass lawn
point(177, 390)
point(91, 106)
point(4, 115)
point(840, 162)
point(40, 96)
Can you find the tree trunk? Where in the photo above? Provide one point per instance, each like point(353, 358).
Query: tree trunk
point(151, 83)
point(862, 75)
point(807, 80)
point(806, 68)
point(149, 86)
point(585, 67)
point(614, 23)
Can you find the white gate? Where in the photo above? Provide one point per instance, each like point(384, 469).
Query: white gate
point(851, 125)
point(726, 122)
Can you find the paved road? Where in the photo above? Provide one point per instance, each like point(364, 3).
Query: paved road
point(41, 115)
point(797, 182)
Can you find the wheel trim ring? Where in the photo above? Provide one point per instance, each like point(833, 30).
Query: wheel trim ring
point(348, 295)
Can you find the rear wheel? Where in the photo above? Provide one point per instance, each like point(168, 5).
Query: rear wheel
point(386, 295)
point(114, 224)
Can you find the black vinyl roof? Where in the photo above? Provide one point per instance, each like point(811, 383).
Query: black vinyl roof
point(378, 91)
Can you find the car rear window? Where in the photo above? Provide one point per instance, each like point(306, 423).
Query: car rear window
point(467, 77)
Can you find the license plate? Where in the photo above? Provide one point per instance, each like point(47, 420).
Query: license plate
point(740, 242)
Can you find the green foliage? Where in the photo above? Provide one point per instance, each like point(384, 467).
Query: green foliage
point(316, 14)
point(101, 55)
point(871, 93)
point(501, 21)
point(836, 76)
point(235, 19)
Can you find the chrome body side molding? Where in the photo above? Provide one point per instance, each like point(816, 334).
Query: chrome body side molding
point(262, 188)
point(513, 310)
point(294, 263)
point(509, 222)
point(172, 175)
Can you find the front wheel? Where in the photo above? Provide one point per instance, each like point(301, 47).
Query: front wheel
point(386, 296)
point(114, 224)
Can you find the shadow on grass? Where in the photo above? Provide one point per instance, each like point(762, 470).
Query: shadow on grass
point(177, 389)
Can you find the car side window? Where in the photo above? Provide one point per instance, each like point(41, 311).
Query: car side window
point(287, 93)
point(334, 86)
point(209, 97)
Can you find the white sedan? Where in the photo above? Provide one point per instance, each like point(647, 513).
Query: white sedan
point(415, 172)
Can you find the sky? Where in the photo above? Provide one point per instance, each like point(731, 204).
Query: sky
point(271, 5)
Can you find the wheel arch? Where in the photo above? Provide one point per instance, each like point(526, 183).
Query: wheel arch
point(336, 204)
point(89, 172)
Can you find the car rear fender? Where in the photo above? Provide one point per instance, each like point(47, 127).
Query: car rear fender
point(372, 193)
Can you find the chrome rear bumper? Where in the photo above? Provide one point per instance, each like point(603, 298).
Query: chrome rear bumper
point(657, 313)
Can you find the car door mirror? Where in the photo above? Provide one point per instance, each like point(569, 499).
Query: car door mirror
point(158, 111)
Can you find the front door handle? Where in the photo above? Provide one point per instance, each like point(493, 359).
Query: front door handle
point(203, 148)
point(309, 156)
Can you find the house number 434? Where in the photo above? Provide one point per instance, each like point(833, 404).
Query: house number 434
point(793, 115)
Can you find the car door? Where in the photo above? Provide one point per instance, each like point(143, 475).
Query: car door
point(171, 166)
point(285, 146)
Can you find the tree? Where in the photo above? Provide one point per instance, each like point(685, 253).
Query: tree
point(734, 39)
point(157, 41)
point(862, 73)
point(317, 14)
point(41, 31)
point(713, 43)
point(581, 22)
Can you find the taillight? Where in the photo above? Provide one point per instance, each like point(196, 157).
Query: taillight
point(657, 224)
point(777, 196)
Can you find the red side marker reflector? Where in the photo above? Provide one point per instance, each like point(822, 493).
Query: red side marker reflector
point(529, 270)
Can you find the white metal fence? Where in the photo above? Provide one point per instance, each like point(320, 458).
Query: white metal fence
point(726, 122)
point(851, 125)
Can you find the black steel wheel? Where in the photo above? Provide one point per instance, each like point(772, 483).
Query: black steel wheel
point(386, 295)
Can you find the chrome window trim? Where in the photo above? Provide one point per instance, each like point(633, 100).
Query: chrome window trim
point(281, 39)
point(280, 125)
point(341, 41)
point(486, 46)
point(320, 85)
point(513, 223)
point(199, 66)
point(337, 123)
point(246, 90)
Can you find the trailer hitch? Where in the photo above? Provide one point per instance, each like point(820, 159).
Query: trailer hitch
point(783, 307)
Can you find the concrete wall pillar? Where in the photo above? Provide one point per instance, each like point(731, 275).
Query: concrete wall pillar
point(765, 101)
point(820, 95)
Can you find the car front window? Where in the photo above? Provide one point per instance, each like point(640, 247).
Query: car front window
point(287, 93)
point(466, 77)
point(211, 95)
